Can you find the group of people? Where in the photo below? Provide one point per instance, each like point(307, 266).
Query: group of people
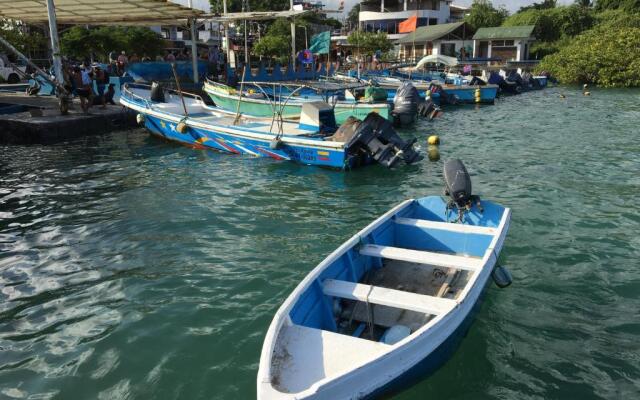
point(79, 80)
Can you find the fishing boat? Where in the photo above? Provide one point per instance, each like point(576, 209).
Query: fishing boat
point(391, 304)
point(258, 102)
point(313, 140)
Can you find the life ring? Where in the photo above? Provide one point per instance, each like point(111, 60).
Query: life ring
point(305, 56)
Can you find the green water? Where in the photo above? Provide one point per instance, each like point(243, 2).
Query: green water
point(131, 268)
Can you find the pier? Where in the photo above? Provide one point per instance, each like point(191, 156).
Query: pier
point(39, 121)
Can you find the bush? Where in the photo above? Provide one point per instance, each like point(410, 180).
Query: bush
point(368, 42)
point(553, 24)
point(606, 55)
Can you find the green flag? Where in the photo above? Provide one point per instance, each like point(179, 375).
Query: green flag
point(320, 43)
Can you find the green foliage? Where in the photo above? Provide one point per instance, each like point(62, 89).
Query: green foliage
point(553, 24)
point(368, 42)
point(276, 46)
point(484, 14)
point(25, 38)
point(354, 15)
point(276, 42)
point(79, 42)
point(606, 55)
point(545, 4)
point(627, 5)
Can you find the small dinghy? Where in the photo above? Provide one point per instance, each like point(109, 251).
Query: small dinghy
point(391, 304)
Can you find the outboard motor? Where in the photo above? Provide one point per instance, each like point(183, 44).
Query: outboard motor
point(376, 137)
point(477, 81)
point(157, 93)
point(428, 109)
point(458, 187)
point(406, 104)
point(505, 86)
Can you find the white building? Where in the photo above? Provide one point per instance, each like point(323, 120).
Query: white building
point(507, 43)
point(385, 15)
point(445, 39)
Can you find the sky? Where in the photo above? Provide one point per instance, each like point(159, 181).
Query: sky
point(511, 5)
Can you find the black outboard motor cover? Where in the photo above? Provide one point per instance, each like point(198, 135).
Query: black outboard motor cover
point(477, 81)
point(457, 182)
point(406, 99)
point(157, 93)
point(376, 136)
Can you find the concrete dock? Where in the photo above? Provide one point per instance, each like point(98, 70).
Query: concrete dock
point(42, 122)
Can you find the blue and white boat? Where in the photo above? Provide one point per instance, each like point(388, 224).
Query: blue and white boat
point(389, 306)
point(313, 140)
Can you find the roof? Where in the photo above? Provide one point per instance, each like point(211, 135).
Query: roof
point(505, 32)
point(429, 33)
point(101, 12)
point(258, 15)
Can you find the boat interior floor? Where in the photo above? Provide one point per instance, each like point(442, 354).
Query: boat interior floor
point(402, 276)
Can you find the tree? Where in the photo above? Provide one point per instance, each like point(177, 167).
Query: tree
point(627, 5)
point(23, 37)
point(368, 42)
point(484, 14)
point(277, 41)
point(606, 55)
point(82, 43)
point(555, 23)
point(544, 5)
point(354, 15)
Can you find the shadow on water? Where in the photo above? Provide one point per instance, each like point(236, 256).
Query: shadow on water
point(134, 268)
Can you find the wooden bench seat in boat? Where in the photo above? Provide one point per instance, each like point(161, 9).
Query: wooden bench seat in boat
point(446, 226)
point(388, 297)
point(313, 354)
point(422, 257)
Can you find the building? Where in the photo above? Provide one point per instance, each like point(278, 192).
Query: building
point(446, 39)
point(385, 15)
point(507, 43)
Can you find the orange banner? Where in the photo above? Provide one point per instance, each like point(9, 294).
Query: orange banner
point(409, 25)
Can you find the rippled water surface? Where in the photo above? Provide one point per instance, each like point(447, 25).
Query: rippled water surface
point(131, 268)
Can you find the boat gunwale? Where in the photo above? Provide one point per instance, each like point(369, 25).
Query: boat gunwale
point(191, 121)
point(430, 330)
point(294, 102)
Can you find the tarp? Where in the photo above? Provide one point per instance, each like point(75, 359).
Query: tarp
point(408, 25)
point(437, 59)
point(133, 12)
point(320, 43)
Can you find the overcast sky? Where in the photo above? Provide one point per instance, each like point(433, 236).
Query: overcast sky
point(512, 5)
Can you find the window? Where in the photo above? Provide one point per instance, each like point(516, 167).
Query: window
point(448, 49)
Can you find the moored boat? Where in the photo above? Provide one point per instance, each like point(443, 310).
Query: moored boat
point(391, 304)
point(313, 140)
point(255, 103)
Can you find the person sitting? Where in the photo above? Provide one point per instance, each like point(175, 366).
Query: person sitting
point(108, 96)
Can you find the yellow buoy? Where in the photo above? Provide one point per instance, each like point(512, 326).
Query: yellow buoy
point(427, 93)
point(478, 95)
point(433, 140)
point(433, 153)
point(182, 127)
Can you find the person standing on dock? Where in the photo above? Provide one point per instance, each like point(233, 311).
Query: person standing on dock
point(123, 60)
point(84, 89)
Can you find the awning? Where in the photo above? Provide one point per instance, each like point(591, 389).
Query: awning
point(429, 33)
point(101, 12)
point(437, 59)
